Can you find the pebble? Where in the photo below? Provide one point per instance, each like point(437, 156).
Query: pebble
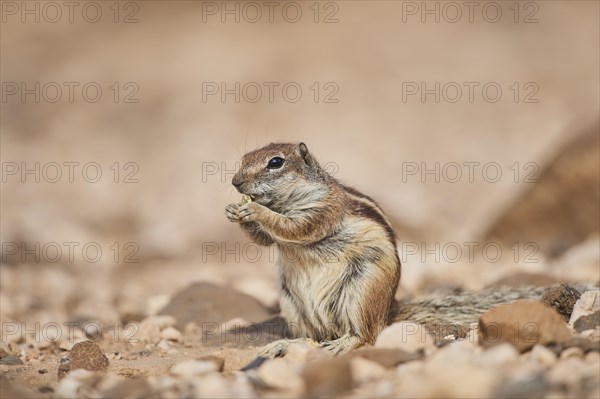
point(171, 334)
point(587, 322)
point(193, 368)
point(542, 356)
point(218, 361)
point(407, 336)
point(571, 352)
point(164, 345)
point(150, 328)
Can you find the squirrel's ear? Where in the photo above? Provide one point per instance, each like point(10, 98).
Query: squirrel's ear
point(302, 150)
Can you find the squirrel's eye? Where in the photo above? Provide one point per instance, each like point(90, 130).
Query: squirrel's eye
point(275, 163)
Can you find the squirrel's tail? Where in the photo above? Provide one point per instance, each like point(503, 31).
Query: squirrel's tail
point(464, 308)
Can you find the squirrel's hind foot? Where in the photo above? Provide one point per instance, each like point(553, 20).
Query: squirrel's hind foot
point(342, 345)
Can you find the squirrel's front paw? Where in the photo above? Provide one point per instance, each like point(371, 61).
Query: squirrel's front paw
point(249, 212)
point(232, 211)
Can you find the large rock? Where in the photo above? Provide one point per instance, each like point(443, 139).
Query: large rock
point(562, 299)
point(561, 208)
point(586, 305)
point(209, 304)
point(523, 324)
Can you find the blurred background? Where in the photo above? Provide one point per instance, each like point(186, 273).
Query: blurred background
point(122, 124)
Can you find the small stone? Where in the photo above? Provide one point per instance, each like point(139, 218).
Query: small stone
point(562, 299)
point(588, 322)
point(543, 356)
point(42, 371)
point(86, 355)
point(364, 370)
point(193, 368)
point(386, 358)
point(171, 334)
point(568, 372)
point(218, 361)
point(523, 323)
point(586, 305)
point(571, 352)
point(164, 345)
point(150, 328)
point(10, 360)
point(593, 358)
point(328, 377)
point(407, 336)
point(64, 367)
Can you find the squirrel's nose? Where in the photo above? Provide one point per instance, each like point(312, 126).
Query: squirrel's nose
point(237, 181)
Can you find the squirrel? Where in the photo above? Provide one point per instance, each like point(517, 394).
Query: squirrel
point(338, 263)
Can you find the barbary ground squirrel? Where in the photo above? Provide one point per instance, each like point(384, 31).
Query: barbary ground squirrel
point(338, 263)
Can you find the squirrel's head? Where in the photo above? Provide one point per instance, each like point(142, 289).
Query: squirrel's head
point(277, 172)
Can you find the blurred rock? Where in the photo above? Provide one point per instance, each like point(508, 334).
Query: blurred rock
point(205, 303)
point(387, 358)
point(561, 208)
point(586, 305)
point(219, 362)
point(543, 356)
point(562, 299)
point(150, 328)
point(525, 386)
point(12, 390)
point(449, 366)
point(279, 373)
point(588, 322)
point(523, 323)
point(8, 359)
point(211, 386)
point(364, 371)
point(171, 334)
point(328, 377)
point(571, 352)
point(498, 356)
point(78, 383)
point(193, 368)
point(242, 336)
point(407, 336)
point(134, 388)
